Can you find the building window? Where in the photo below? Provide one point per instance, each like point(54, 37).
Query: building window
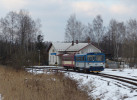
point(49, 58)
point(52, 59)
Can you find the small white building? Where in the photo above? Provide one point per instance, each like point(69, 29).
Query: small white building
point(58, 49)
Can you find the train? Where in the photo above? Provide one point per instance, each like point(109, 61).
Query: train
point(89, 62)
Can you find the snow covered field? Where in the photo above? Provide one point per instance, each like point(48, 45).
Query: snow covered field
point(105, 88)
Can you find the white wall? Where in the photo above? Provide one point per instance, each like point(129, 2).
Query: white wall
point(89, 48)
point(52, 58)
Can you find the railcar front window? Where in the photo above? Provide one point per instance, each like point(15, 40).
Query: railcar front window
point(68, 59)
point(91, 58)
point(95, 57)
point(99, 57)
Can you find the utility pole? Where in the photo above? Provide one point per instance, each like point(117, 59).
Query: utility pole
point(39, 57)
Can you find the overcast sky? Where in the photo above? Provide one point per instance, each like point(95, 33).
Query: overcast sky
point(55, 13)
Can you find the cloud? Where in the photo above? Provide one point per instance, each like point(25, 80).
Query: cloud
point(55, 13)
point(122, 9)
point(106, 8)
point(89, 8)
point(13, 4)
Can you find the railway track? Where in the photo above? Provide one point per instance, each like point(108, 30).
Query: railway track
point(119, 78)
point(47, 69)
point(130, 81)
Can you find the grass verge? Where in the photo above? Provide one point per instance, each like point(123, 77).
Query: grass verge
point(20, 85)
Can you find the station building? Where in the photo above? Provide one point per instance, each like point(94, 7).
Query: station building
point(58, 49)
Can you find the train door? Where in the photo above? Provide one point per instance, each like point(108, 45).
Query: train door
point(84, 62)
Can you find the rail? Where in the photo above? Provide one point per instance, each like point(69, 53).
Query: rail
point(120, 78)
point(131, 81)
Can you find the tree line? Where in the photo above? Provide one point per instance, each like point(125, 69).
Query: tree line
point(20, 40)
point(118, 38)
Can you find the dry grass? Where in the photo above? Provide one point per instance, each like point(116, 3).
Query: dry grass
point(20, 85)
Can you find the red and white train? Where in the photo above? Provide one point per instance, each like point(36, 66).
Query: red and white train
point(68, 61)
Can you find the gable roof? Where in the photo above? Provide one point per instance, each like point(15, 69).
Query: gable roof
point(70, 47)
point(76, 47)
point(61, 46)
point(91, 45)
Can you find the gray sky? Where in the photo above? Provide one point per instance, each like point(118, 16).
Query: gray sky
point(55, 13)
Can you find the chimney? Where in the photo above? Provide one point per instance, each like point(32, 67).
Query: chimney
point(88, 40)
point(72, 43)
point(76, 41)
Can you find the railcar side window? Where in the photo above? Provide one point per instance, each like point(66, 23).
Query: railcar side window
point(81, 58)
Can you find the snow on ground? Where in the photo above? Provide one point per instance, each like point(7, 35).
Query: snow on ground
point(131, 73)
point(42, 69)
point(44, 66)
point(1, 98)
point(104, 88)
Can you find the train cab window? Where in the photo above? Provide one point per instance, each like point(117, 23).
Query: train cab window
point(95, 57)
point(91, 57)
point(68, 58)
point(99, 57)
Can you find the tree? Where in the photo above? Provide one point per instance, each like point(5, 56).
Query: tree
point(98, 28)
point(28, 28)
point(18, 37)
point(41, 48)
point(70, 33)
point(40, 42)
point(115, 36)
point(89, 32)
point(74, 29)
point(132, 37)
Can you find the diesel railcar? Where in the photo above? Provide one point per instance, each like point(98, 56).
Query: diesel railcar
point(90, 62)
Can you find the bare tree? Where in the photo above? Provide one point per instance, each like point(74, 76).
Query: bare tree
point(79, 30)
point(74, 29)
point(116, 36)
point(18, 36)
point(89, 32)
point(27, 29)
point(132, 37)
point(70, 33)
point(98, 28)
